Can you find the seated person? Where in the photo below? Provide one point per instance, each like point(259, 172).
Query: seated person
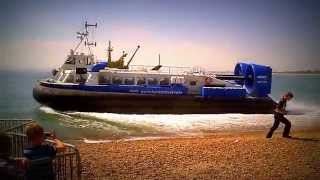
point(9, 168)
point(41, 154)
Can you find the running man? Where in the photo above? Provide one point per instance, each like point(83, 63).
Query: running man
point(279, 113)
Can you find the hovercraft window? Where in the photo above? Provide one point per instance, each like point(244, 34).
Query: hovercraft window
point(62, 77)
point(59, 76)
point(141, 81)
point(129, 81)
point(164, 81)
point(71, 60)
point(69, 79)
point(104, 80)
point(152, 81)
point(193, 83)
point(116, 80)
point(177, 79)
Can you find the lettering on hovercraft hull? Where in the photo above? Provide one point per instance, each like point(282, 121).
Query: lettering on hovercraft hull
point(168, 90)
point(161, 92)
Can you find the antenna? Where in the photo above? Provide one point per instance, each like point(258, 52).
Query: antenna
point(87, 42)
point(90, 25)
point(84, 36)
point(90, 43)
point(157, 67)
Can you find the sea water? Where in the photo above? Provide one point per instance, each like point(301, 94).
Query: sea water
point(16, 101)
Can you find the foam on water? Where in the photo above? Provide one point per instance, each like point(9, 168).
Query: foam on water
point(167, 123)
point(49, 110)
point(91, 141)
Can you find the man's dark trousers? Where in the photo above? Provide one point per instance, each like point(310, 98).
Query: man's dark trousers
point(277, 119)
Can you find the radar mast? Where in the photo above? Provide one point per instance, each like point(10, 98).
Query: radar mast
point(84, 37)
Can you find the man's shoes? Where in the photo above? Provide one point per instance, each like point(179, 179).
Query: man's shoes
point(269, 135)
point(286, 136)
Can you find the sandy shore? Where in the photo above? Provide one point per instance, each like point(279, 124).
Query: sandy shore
point(214, 156)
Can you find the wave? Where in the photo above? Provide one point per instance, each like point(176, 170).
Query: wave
point(49, 110)
point(91, 141)
point(302, 108)
point(182, 124)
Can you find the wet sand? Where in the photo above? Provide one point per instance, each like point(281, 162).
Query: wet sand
point(214, 156)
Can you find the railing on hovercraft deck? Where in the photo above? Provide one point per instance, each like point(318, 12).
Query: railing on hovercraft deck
point(66, 165)
point(172, 70)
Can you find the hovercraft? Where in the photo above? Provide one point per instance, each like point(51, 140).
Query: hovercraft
point(84, 84)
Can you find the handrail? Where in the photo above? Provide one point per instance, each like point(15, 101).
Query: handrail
point(17, 126)
point(13, 124)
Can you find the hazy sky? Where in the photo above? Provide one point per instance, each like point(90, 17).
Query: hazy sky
point(213, 34)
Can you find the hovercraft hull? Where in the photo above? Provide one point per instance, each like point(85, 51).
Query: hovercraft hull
point(134, 103)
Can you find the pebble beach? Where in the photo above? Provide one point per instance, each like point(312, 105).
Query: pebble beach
point(232, 155)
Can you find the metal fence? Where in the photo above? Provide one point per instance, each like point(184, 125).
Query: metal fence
point(14, 125)
point(67, 165)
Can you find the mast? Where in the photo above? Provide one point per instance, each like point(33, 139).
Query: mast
point(110, 49)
